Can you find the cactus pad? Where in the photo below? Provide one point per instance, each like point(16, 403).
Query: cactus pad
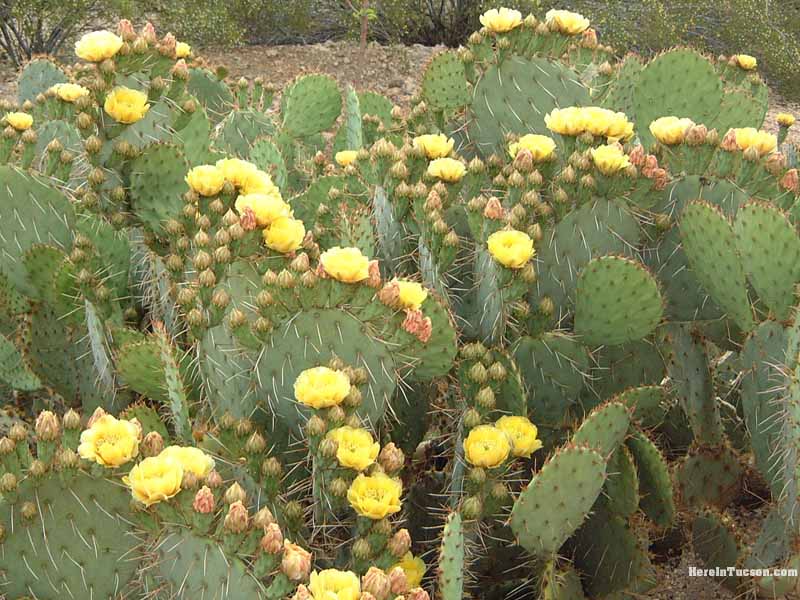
point(157, 185)
point(655, 484)
point(444, 84)
point(770, 250)
point(618, 301)
point(558, 499)
point(714, 543)
point(710, 245)
point(80, 544)
point(515, 96)
point(311, 105)
point(709, 477)
point(38, 76)
point(452, 562)
point(648, 404)
point(604, 428)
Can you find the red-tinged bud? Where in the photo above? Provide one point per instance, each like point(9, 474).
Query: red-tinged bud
point(272, 540)
point(204, 501)
point(296, 562)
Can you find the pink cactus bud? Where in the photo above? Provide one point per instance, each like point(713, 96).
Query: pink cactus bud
point(417, 594)
point(272, 540)
point(418, 325)
point(149, 33)
point(98, 412)
point(374, 279)
point(399, 582)
point(390, 294)
point(637, 155)
point(377, 583)
point(790, 181)
point(296, 561)
point(126, 31)
point(729, 142)
point(236, 520)
point(493, 210)
point(400, 543)
point(203, 501)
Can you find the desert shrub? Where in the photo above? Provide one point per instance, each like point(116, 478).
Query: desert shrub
point(29, 27)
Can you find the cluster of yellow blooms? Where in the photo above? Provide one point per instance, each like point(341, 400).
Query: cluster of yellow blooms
point(258, 197)
point(671, 130)
point(69, 92)
point(333, 584)
point(601, 122)
point(489, 446)
point(125, 105)
point(113, 442)
point(750, 137)
point(503, 20)
point(348, 265)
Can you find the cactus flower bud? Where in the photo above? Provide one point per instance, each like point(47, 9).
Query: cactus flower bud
point(72, 420)
point(399, 543)
point(235, 493)
point(546, 306)
point(391, 458)
point(8, 483)
point(478, 374)
point(417, 594)
point(236, 520)
point(28, 511)
point(67, 459)
point(47, 426)
point(315, 426)
point(272, 540)
point(361, 549)
point(263, 518)
point(18, 432)
point(790, 181)
point(485, 398)
point(255, 443)
point(472, 418)
point(220, 299)
point(152, 444)
point(302, 593)
point(296, 561)
point(214, 480)
point(472, 508)
point(493, 209)
point(204, 501)
point(189, 481)
point(398, 580)
point(37, 468)
point(376, 582)
point(339, 487)
point(7, 446)
point(271, 467)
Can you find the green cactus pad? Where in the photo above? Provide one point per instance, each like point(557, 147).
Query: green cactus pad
point(158, 184)
point(774, 542)
point(598, 228)
point(680, 82)
point(649, 404)
point(710, 245)
point(709, 477)
point(714, 543)
point(67, 135)
point(227, 374)
point(312, 339)
point(554, 368)
point(82, 523)
point(622, 486)
point(620, 96)
point(452, 559)
point(311, 105)
point(655, 484)
point(444, 84)
point(687, 364)
point(515, 96)
point(305, 205)
point(561, 584)
point(763, 356)
point(38, 76)
point(31, 212)
point(240, 129)
point(770, 249)
point(557, 500)
point(13, 370)
point(739, 108)
point(617, 301)
point(189, 566)
point(267, 157)
point(604, 428)
point(618, 368)
point(609, 554)
point(212, 93)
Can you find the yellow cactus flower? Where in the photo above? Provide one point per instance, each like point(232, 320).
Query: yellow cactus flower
point(447, 169)
point(746, 62)
point(239, 172)
point(541, 147)
point(345, 158)
point(125, 105)
point(610, 159)
point(206, 180)
point(511, 248)
point(523, 434)
point(785, 119)
point(333, 584)
point(434, 145)
point(69, 92)
point(19, 120)
point(487, 446)
point(182, 50)
point(192, 460)
point(265, 207)
point(356, 448)
point(321, 387)
point(501, 20)
point(670, 130)
point(375, 496)
point(414, 568)
point(110, 442)
point(566, 121)
point(155, 479)
point(98, 46)
point(412, 294)
point(566, 22)
point(619, 128)
point(749, 137)
point(285, 234)
point(345, 264)
point(597, 120)
point(256, 181)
